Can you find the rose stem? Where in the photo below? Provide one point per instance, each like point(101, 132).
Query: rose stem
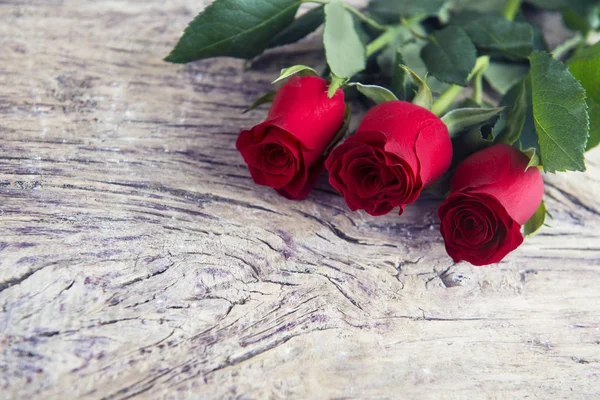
point(441, 104)
point(354, 11)
point(511, 9)
point(383, 40)
point(368, 20)
point(409, 23)
point(478, 81)
point(576, 42)
point(392, 31)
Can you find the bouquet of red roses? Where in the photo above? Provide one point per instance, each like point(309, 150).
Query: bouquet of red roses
point(531, 108)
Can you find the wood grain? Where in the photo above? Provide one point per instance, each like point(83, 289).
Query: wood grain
point(137, 259)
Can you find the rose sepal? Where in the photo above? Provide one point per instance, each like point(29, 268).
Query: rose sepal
point(300, 70)
point(535, 223)
point(423, 97)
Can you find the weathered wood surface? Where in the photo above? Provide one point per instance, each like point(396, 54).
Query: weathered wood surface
point(137, 259)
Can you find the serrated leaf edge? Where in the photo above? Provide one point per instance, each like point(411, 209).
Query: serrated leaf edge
point(167, 58)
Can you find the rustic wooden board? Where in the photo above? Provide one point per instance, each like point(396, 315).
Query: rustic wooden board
point(137, 259)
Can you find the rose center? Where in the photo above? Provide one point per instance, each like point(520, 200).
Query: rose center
point(276, 155)
point(473, 227)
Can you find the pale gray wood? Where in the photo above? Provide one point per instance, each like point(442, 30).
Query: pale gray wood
point(137, 259)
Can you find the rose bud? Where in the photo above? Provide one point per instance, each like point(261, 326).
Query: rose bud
point(285, 151)
point(493, 194)
point(398, 149)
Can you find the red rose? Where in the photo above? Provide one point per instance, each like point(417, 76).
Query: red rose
point(398, 149)
point(492, 195)
point(285, 151)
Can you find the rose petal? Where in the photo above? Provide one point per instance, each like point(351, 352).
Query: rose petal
point(298, 192)
point(476, 228)
point(500, 171)
point(303, 108)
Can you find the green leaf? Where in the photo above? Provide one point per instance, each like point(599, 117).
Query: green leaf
point(503, 76)
point(585, 66)
point(388, 60)
point(528, 137)
point(411, 57)
point(574, 21)
point(344, 51)
point(233, 28)
point(581, 15)
point(392, 10)
point(536, 222)
point(423, 97)
point(341, 132)
point(515, 120)
point(478, 137)
point(560, 114)
point(539, 41)
point(495, 35)
point(375, 93)
point(471, 141)
point(450, 56)
point(547, 4)
point(462, 119)
point(474, 137)
point(481, 6)
point(265, 98)
point(302, 70)
point(585, 8)
point(404, 49)
point(301, 27)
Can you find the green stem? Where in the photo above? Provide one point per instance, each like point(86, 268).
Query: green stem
point(445, 100)
point(391, 32)
point(374, 24)
point(382, 40)
point(562, 49)
point(409, 25)
point(480, 67)
point(478, 89)
point(366, 19)
point(576, 43)
point(511, 9)
point(441, 104)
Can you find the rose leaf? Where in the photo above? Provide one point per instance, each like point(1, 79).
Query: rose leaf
point(560, 114)
point(585, 66)
point(581, 15)
point(516, 117)
point(393, 10)
point(344, 50)
point(488, 6)
point(450, 55)
point(233, 28)
point(497, 36)
point(461, 119)
point(503, 76)
point(301, 27)
point(547, 4)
